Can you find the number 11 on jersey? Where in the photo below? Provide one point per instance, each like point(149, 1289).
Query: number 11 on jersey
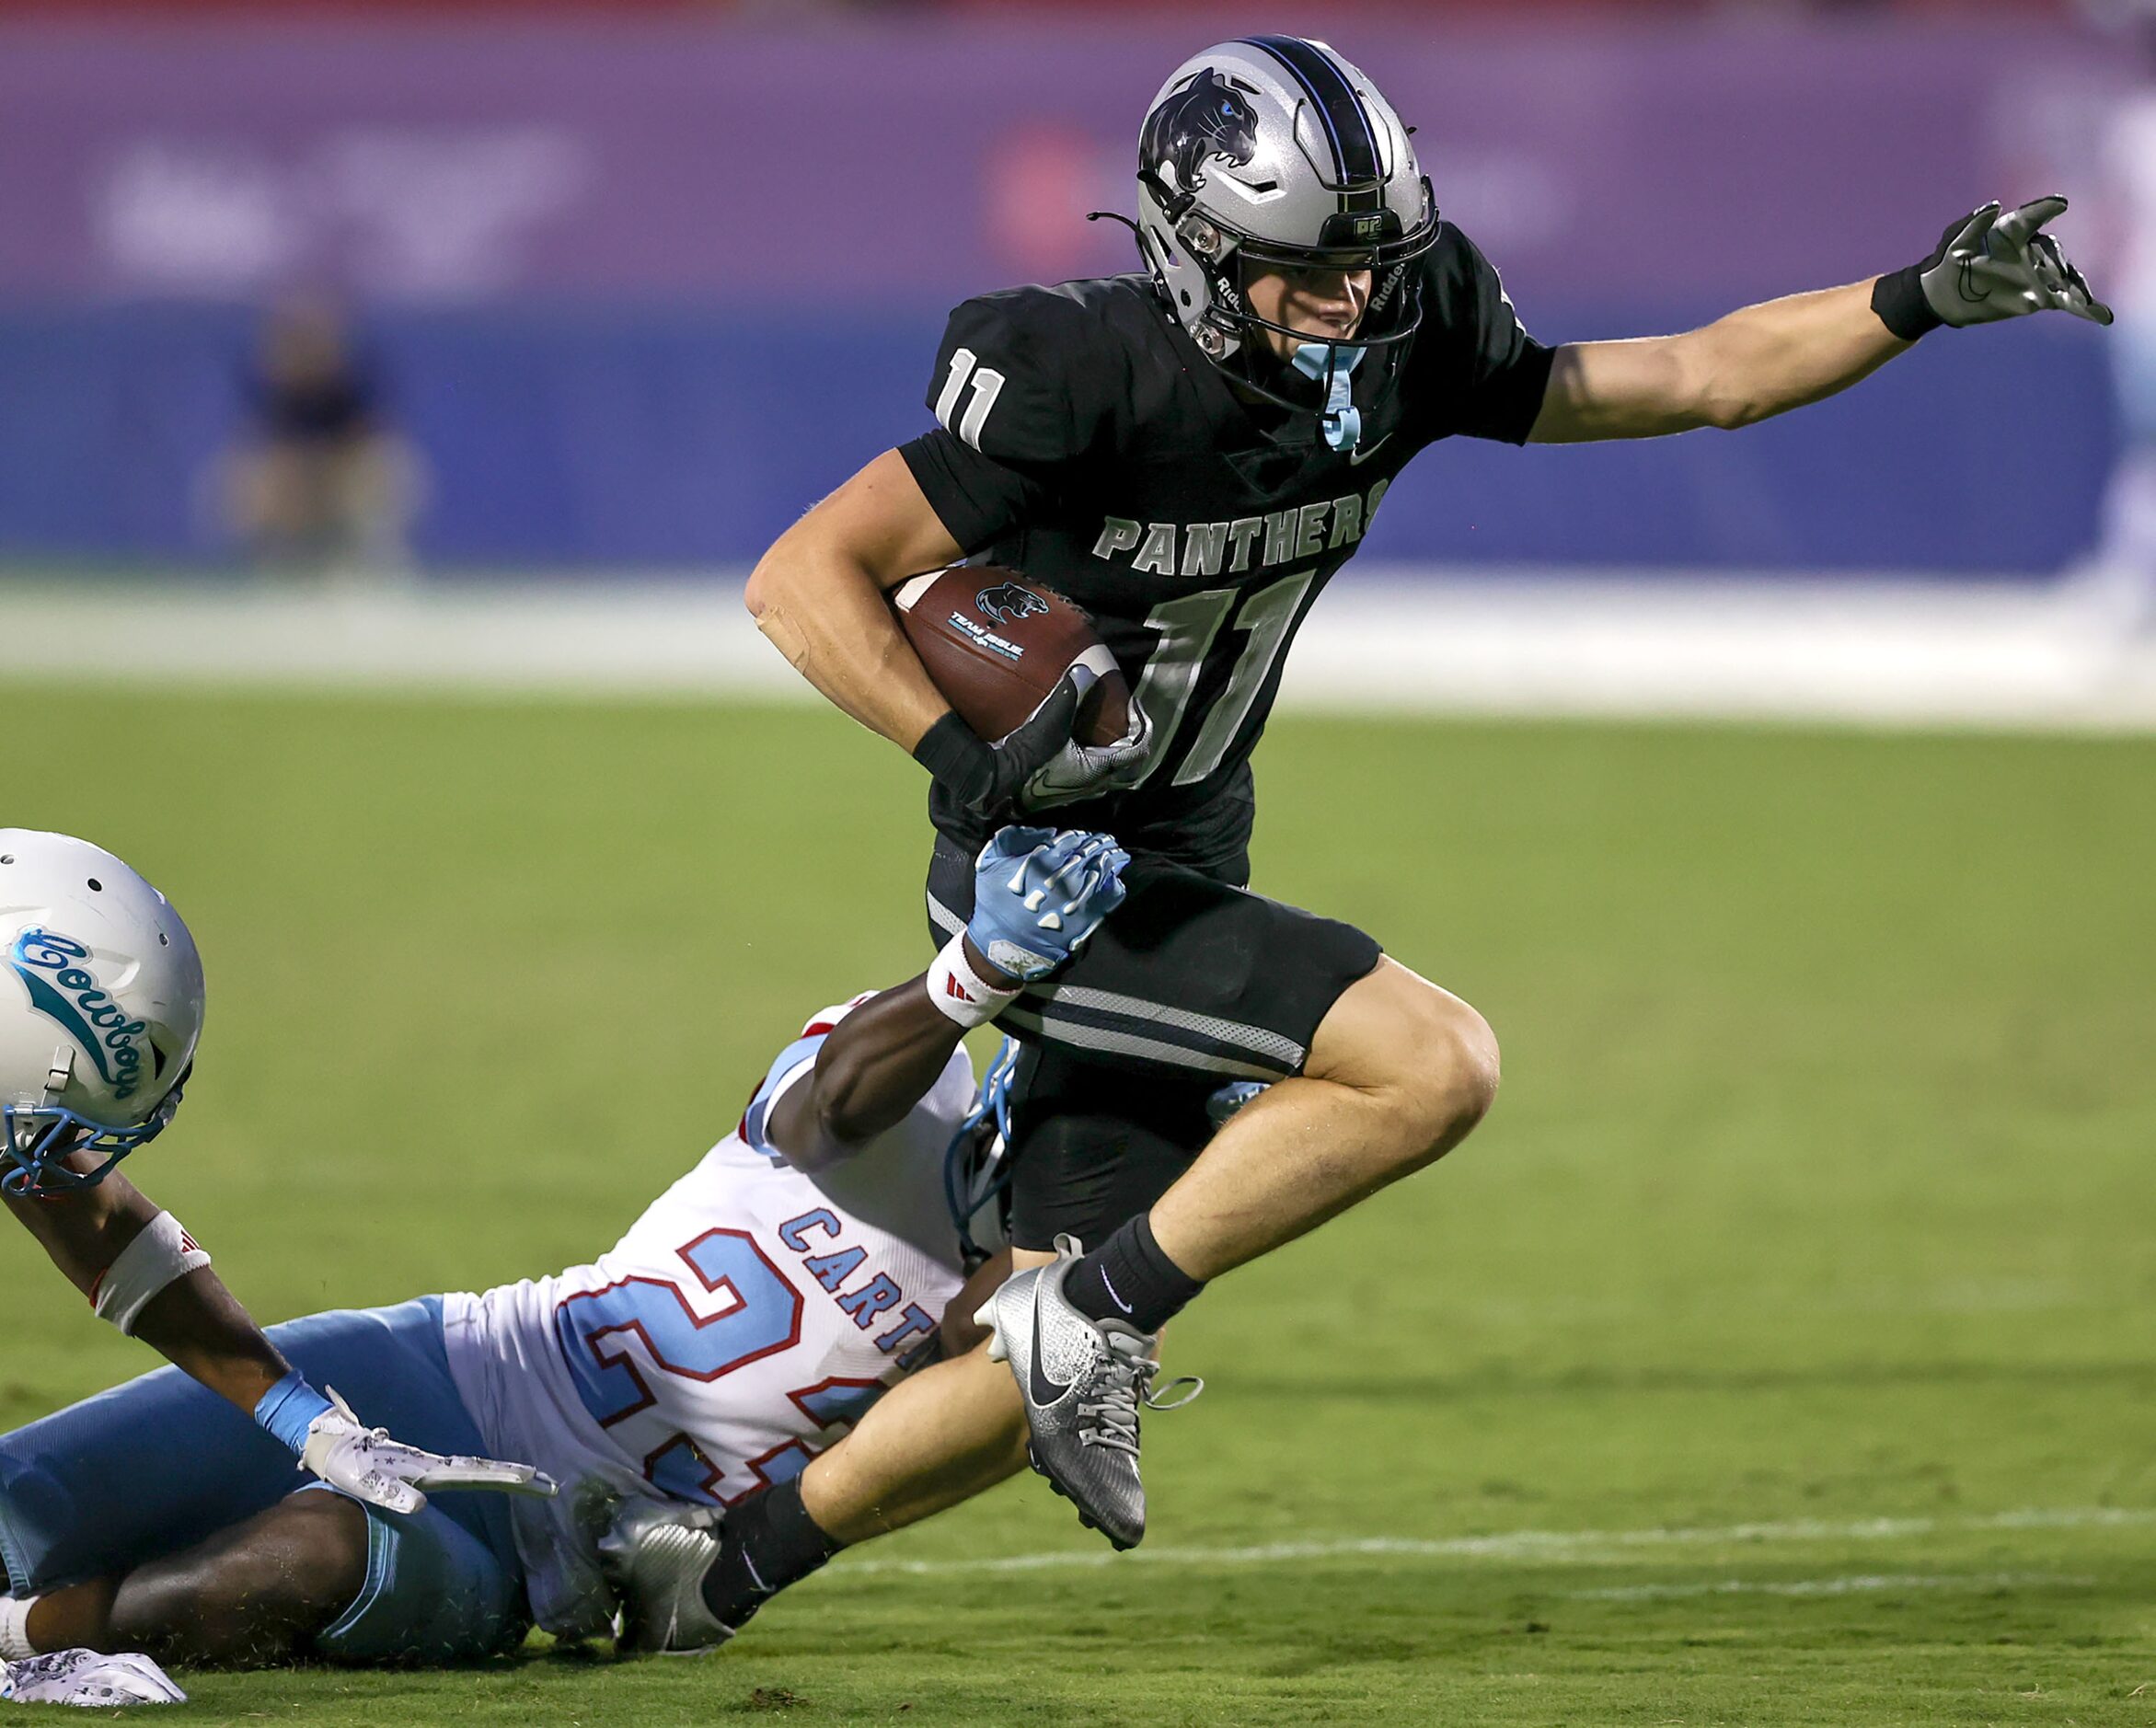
point(1187, 627)
point(987, 385)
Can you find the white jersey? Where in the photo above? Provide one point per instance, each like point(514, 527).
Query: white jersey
point(741, 1326)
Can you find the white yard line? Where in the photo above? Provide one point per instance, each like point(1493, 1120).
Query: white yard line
point(1529, 1545)
point(1835, 1586)
point(1876, 652)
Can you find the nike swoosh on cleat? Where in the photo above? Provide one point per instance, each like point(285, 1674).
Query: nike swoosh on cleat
point(1039, 1387)
point(1363, 453)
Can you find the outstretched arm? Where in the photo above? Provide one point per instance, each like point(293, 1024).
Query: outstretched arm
point(1767, 359)
point(878, 1063)
point(194, 1321)
point(1037, 896)
point(145, 1273)
point(1761, 361)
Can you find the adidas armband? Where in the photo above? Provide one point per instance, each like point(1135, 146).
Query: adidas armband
point(161, 1253)
point(960, 992)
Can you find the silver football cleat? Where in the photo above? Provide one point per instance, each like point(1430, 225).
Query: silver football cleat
point(1083, 1382)
point(655, 1555)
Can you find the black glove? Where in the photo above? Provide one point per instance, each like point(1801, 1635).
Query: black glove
point(989, 777)
point(1987, 267)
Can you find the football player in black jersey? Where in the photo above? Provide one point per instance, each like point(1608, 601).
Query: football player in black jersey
point(1190, 453)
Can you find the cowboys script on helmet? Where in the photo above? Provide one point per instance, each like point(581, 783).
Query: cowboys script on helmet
point(100, 1004)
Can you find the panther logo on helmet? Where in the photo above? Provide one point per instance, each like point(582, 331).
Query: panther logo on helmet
point(1009, 601)
point(1274, 153)
point(1207, 118)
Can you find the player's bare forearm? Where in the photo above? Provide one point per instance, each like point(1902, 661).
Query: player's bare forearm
point(1759, 361)
point(201, 1329)
point(878, 1063)
point(195, 1321)
point(818, 595)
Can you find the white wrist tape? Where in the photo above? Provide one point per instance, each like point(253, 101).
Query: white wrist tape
point(161, 1253)
point(960, 992)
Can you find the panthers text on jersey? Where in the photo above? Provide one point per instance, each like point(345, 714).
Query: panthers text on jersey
point(744, 1323)
point(1086, 441)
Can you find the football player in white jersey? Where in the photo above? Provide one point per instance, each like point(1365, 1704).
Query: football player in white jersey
point(743, 1323)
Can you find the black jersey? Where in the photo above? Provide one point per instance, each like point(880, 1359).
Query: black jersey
point(1084, 440)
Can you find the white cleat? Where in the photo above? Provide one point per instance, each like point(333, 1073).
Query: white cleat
point(88, 1678)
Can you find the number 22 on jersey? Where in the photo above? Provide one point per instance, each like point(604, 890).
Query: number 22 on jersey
point(758, 1311)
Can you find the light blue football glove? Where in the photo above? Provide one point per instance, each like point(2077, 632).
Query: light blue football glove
point(1038, 894)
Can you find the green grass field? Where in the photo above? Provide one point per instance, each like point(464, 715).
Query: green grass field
point(1779, 1351)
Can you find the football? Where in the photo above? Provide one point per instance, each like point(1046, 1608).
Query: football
point(996, 643)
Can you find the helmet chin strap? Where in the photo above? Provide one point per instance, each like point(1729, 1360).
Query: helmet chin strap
point(1332, 364)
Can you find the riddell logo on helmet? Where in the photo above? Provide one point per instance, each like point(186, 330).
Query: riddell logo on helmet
point(63, 989)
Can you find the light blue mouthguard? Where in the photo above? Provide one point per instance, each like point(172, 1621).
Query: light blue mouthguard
point(1332, 364)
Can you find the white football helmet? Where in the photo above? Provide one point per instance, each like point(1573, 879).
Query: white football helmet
point(1275, 152)
point(101, 1008)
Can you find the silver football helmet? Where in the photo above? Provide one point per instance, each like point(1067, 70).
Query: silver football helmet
point(100, 1008)
point(1273, 152)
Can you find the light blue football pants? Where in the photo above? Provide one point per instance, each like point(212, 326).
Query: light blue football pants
point(156, 1465)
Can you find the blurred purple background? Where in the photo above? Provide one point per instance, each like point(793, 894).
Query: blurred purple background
point(641, 288)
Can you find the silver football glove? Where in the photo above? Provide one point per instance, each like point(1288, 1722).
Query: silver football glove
point(1990, 266)
point(1078, 771)
point(368, 1465)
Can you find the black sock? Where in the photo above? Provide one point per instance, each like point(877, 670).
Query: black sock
point(768, 1542)
point(1129, 1278)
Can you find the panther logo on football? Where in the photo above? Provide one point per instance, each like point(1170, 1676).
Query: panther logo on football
point(1008, 601)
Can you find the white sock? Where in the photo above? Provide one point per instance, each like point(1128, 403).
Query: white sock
point(15, 1620)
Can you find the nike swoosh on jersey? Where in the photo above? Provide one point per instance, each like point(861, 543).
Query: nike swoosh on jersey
point(1363, 453)
point(1040, 1387)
